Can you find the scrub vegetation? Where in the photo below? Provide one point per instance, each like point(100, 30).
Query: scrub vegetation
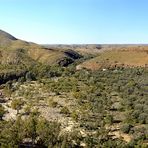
point(56, 105)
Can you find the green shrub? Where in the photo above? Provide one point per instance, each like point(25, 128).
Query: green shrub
point(2, 111)
point(126, 128)
point(65, 110)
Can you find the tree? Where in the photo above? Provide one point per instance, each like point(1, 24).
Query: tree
point(29, 76)
point(11, 134)
point(126, 128)
point(30, 128)
point(2, 111)
point(109, 119)
point(65, 111)
point(143, 118)
point(8, 88)
point(27, 110)
point(48, 132)
point(17, 104)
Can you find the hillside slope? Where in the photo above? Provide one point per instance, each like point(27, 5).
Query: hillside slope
point(118, 57)
point(6, 38)
point(15, 51)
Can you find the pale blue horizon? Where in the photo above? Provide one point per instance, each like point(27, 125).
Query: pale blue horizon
point(76, 21)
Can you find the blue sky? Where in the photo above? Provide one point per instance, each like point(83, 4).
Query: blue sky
point(76, 21)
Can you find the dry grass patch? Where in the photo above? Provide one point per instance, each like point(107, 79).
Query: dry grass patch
point(117, 58)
